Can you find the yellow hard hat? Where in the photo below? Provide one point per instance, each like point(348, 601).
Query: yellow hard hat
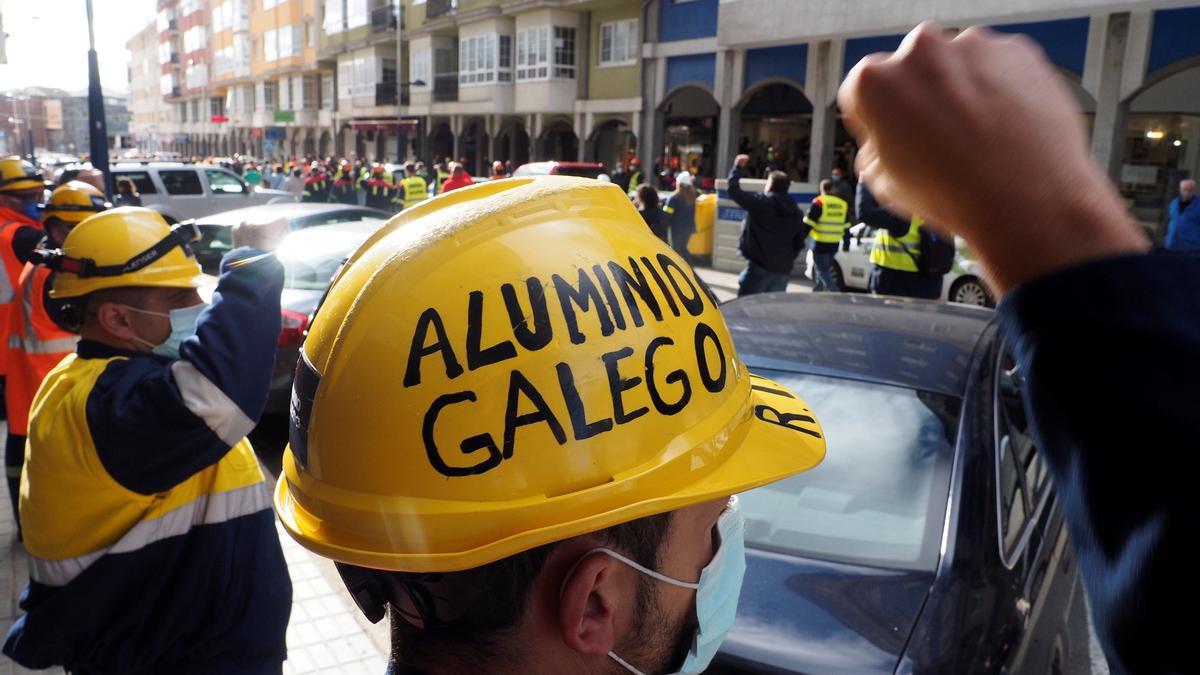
point(515, 364)
point(73, 202)
point(128, 246)
point(17, 174)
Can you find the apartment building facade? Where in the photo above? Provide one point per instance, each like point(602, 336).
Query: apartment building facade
point(761, 77)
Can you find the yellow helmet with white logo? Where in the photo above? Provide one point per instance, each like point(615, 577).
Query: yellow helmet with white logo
point(514, 364)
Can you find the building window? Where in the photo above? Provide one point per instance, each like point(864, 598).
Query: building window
point(266, 96)
point(327, 98)
point(545, 52)
point(281, 43)
point(357, 14)
point(564, 52)
point(193, 39)
point(222, 17)
point(166, 84)
point(479, 56)
point(196, 75)
point(308, 92)
point(268, 4)
point(618, 43)
point(285, 93)
point(533, 53)
point(335, 16)
point(419, 68)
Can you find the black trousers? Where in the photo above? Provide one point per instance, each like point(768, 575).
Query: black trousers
point(14, 459)
point(887, 281)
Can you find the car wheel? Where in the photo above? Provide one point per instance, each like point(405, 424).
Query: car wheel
point(970, 291)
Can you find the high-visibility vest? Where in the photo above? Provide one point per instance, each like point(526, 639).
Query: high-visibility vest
point(10, 276)
point(441, 178)
point(415, 190)
point(899, 253)
point(35, 345)
point(74, 512)
point(831, 226)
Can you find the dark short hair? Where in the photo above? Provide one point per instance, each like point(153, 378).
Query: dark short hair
point(826, 185)
point(409, 166)
point(778, 181)
point(485, 632)
point(647, 195)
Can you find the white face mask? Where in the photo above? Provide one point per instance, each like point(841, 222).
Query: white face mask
point(717, 592)
point(183, 326)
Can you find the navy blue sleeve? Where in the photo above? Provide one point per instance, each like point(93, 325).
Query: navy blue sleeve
point(752, 203)
point(156, 421)
point(870, 212)
point(1111, 356)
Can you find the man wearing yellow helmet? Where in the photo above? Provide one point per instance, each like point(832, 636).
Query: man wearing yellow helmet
point(21, 192)
point(150, 538)
point(36, 339)
point(518, 421)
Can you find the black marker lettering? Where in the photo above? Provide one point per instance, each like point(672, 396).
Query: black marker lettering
point(419, 350)
point(580, 427)
point(468, 446)
point(785, 419)
point(518, 384)
point(618, 385)
point(674, 376)
point(586, 296)
point(693, 304)
point(617, 315)
point(542, 330)
point(704, 332)
point(625, 281)
point(662, 285)
point(476, 357)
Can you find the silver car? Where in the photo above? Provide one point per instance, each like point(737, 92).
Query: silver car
point(180, 191)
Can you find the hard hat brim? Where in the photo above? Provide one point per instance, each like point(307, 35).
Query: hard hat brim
point(778, 436)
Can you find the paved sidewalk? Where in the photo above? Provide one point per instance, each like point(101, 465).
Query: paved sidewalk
point(327, 633)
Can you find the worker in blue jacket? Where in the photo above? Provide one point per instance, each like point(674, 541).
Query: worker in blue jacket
point(152, 547)
point(1106, 336)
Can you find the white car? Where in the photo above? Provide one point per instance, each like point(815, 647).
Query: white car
point(180, 191)
point(852, 269)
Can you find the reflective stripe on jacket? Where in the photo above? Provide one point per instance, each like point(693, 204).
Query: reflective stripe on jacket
point(35, 344)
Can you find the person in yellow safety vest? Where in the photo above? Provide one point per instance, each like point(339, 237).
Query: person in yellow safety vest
point(22, 190)
point(37, 340)
point(442, 174)
point(380, 189)
point(636, 177)
point(152, 547)
point(413, 187)
point(531, 517)
point(896, 251)
point(828, 216)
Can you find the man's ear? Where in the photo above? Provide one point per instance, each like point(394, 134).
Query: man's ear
point(588, 606)
point(114, 319)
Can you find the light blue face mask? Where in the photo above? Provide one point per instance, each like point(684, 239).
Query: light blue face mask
point(183, 326)
point(716, 593)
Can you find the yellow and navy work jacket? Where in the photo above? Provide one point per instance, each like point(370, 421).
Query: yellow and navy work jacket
point(415, 190)
point(898, 253)
point(828, 219)
point(151, 537)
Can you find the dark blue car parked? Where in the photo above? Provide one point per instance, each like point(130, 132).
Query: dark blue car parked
point(929, 540)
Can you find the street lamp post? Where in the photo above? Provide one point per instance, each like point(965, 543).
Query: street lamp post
point(97, 127)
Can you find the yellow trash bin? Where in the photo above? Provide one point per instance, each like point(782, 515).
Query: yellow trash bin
point(701, 243)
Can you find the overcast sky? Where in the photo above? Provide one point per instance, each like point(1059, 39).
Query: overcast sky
point(48, 42)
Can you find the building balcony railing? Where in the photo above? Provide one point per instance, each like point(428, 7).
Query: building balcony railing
point(384, 19)
point(445, 88)
point(436, 8)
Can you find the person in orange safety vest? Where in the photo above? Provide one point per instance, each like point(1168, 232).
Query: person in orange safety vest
point(36, 340)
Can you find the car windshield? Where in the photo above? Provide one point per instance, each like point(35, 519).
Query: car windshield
point(879, 496)
point(310, 265)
